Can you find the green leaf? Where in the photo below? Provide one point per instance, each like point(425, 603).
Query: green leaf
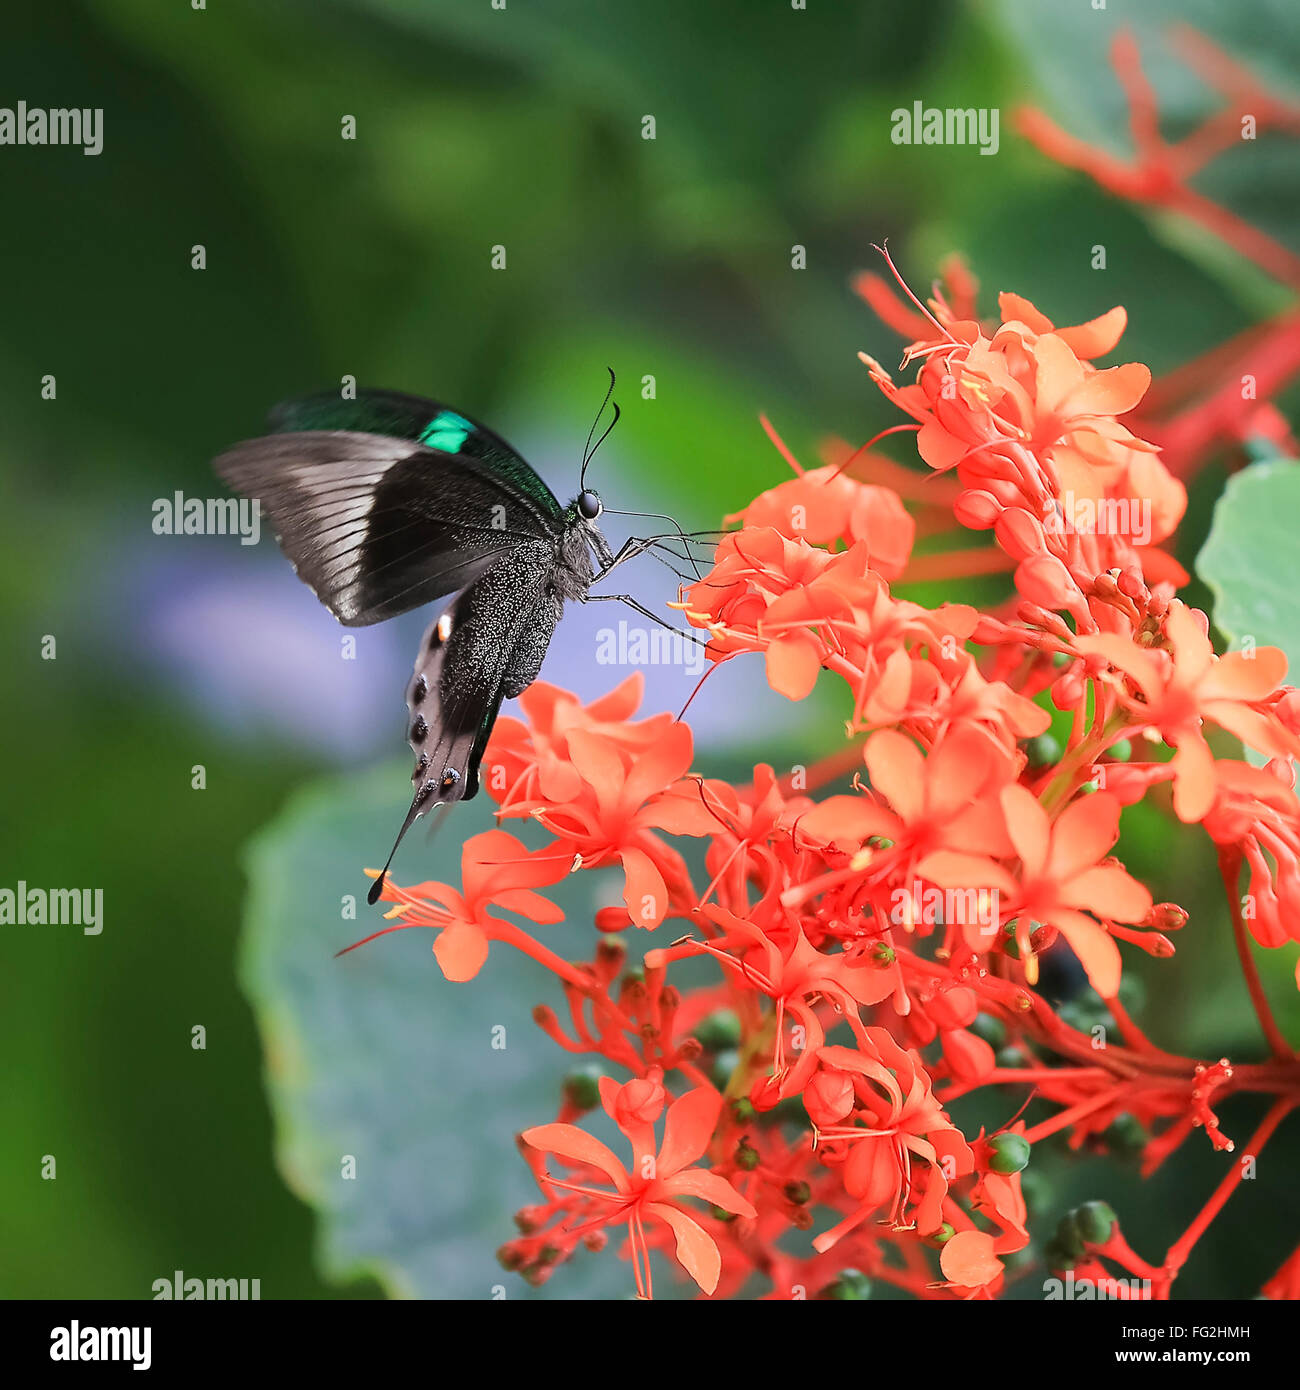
point(376, 1056)
point(1250, 560)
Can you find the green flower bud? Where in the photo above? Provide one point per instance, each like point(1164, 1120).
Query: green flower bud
point(1008, 1153)
point(1043, 751)
point(582, 1088)
point(851, 1286)
point(797, 1192)
point(1070, 1238)
point(746, 1156)
point(942, 1236)
point(1057, 1258)
point(1125, 1134)
point(991, 1029)
point(723, 1065)
point(1121, 751)
point(742, 1110)
point(1096, 1222)
point(720, 1030)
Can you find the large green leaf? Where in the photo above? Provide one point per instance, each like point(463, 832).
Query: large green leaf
point(1251, 562)
point(376, 1056)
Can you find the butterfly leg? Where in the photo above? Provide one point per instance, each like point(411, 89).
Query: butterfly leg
point(638, 545)
point(629, 550)
point(645, 613)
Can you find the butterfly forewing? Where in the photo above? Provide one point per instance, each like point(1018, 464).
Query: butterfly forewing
point(430, 423)
point(381, 522)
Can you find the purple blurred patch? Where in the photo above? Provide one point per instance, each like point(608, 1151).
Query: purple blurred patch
point(239, 638)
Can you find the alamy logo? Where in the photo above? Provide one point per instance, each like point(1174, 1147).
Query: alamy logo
point(1091, 1290)
point(953, 125)
point(1100, 516)
point(77, 1343)
point(35, 125)
point(219, 1290)
point(639, 646)
point(179, 515)
point(55, 907)
point(924, 905)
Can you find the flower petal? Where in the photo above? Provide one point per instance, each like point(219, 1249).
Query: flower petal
point(968, 1261)
point(1095, 948)
point(568, 1141)
point(1028, 826)
point(697, 1252)
point(644, 889)
point(687, 1130)
point(461, 950)
point(897, 771)
point(792, 665)
point(709, 1187)
point(1109, 891)
point(1098, 336)
point(1083, 834)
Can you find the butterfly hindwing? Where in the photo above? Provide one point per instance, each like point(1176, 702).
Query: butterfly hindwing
point(383, 520)
point(487, 646)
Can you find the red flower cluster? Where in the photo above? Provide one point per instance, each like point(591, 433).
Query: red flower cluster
point(877, 951)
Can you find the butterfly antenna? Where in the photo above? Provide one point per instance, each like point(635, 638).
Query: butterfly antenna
point(587, 449)
point(598, 443)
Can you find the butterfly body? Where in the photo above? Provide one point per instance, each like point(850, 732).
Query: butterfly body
point(387, 502)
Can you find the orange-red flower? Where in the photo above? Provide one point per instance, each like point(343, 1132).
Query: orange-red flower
point(1061, 878)
point(825, 506)
point(496, 871)
point(1175, 687)
point(904, 1134)
point(617, 806)
point(652, 1189)
point(947, 800)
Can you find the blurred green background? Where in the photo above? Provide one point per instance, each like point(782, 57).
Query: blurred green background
point(669, 258)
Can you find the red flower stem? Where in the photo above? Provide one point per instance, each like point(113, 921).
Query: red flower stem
point(875, 439)
point(543, 955)
point(1010, 1075)
point(780, 444)
point(1210, 368)
point(1273, 363)
point(1075, 1112)
point(1229, 869)
point(1182, 1247)
point(1136, 185)
point(1232, 79)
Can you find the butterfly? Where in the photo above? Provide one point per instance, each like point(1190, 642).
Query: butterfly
point(384, 502)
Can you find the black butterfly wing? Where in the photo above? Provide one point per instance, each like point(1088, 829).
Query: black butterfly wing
point(388, 502)
point(487, 646)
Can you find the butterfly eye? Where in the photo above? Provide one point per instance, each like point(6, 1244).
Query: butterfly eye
point(589, 505)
